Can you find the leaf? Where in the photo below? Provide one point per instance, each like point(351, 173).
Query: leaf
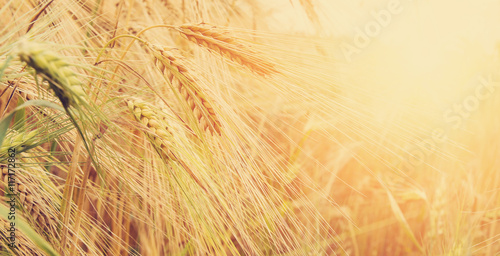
point(4, 123)
point(20, 116)
point(29, 232)
point(5, 65)
point(401, 219)
point(185, 251)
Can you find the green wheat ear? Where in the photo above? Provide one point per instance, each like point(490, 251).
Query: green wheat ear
point(17, 140)
point(62, 80)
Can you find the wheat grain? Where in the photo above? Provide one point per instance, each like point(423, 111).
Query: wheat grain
point(62, 80)
point(215, 39)
point(173, 66)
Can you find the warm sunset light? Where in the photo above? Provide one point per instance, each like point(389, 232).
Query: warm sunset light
point(250, 127)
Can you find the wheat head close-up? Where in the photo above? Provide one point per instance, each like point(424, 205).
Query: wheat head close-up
point(250, 127)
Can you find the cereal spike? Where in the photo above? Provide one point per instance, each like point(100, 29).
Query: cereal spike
point(158, 133)
point(24, 245)
point(33, 205)
point(17, 140)
point(182, 78)
point(216, 40)
point(157, 129)
point(62, 80)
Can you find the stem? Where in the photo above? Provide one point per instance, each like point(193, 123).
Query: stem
point(68, 192)
point(140, 33)
point(79, 203)
point(114, 39)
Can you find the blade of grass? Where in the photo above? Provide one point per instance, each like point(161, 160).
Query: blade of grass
point(5, 65)
point(20, 116)
point(401, 219)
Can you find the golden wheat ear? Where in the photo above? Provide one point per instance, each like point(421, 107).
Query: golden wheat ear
point(62, 80)
point(177, 72)
point(157, 130)
point(158, 133)
point(35, 208)
point(216, 39)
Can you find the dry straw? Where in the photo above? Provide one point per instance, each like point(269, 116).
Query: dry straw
point(182, 78)
point(62, 80)
point(217, 40)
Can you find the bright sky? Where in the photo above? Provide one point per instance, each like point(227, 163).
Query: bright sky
point(428, 56)
point(445, 20)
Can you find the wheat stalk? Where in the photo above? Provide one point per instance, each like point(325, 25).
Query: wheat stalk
point(62, 80)
point(173, 66)
point(215, 39)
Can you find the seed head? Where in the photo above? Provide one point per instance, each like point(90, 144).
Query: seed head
point(61, 78)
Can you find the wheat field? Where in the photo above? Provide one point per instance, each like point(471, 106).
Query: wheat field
point(250, 127)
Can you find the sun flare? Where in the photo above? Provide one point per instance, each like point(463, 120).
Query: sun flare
point(284, 127)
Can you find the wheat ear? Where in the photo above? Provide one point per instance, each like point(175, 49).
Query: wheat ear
point(158, 133)
point(62, 80)
point(157, 130)
point(17, 140)
point(173, 66)
point(35, 208)
point(215, 39)
point(24, 246)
